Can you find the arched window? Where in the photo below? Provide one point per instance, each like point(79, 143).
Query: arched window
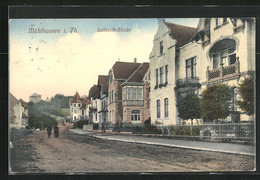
point(223, 53)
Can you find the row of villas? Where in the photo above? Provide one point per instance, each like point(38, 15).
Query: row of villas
point(121, 96)
point(183, 59)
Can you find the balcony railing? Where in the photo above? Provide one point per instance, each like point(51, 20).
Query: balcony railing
point(188, 82)
point(133, 103)
point(223, 71)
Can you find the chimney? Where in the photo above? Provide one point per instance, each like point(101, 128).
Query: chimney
point(135, 60)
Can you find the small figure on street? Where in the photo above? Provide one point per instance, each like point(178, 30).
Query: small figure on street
point(49, 131)
point(56, 131)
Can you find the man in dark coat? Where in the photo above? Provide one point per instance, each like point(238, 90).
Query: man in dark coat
point(56, 131)
point(49, 131)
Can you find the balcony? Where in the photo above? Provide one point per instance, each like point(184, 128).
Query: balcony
point(133, 103)
point(223, 72)
point(188, 82)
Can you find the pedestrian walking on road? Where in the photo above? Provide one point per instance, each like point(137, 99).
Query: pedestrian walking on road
point(56, 131)
point(49, 131)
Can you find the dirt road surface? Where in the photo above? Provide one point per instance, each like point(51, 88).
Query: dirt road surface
point(74, 153)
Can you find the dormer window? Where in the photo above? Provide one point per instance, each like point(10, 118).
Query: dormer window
point(161, 47)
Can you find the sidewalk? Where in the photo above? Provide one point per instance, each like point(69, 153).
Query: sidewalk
point(186, 144)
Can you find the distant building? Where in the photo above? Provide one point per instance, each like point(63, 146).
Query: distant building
point(123, 74)
point(103, 96)
point(78, 107)
point(35, 98)
point(95, 103)
point(136, 96)
point(18, 113)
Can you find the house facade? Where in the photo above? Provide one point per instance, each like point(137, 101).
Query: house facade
point(132, 77)
point(94, 104)
point(35, 98)
point(185, 59)
point(136, 96)
point(78, 107)
point(103, 96)
point(18, 113)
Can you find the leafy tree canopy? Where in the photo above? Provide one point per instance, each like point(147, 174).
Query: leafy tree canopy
point(215, 102)
point(189, 106)
point(246, 92)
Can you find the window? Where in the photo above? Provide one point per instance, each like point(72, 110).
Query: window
point(124, 94)
point(161, 75)
point(166, 104)
point(75, 111)
point(140, 93)
point(124, 117)
point(74, 105)
point(134, 93)
point(166, 74)
point(191, 68)
point(112, 116)
point(161, 47)
point(112, 98)
point(135, 115)
point(217, 23)
point(158, 108)
point(157, 77)
point(79, 105)
point(83, 113)
point(129, 93)
point(223, 53)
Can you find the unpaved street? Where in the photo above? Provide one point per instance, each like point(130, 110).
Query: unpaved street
point(74, 153)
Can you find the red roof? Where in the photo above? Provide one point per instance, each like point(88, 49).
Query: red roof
point(76, 98)
point(122, 70)
point(24, 116)
point(181, 33)
point(24, 104)
point(103, 81)
point(139, 74)
point(93, 92)
point(85, 100)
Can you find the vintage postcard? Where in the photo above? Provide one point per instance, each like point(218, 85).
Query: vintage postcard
point(139, 95)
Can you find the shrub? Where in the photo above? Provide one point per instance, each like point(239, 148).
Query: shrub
point(146, 130)
point(189, 106)
point(246, 91)
point(80, 123)
point(186, 130)
point(215, 102)
point(95, 126)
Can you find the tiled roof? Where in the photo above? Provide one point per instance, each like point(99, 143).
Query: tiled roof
point(122, 70)
point(24, 116)
point(181, 33)
point(103, 80)
point(93, 92)
point(24, 104)
point(139, 74)
point(85, 100)
point(76, 98)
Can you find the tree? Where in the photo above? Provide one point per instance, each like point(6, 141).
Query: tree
point(215, 102)
point(189, 106)
point(246, 92)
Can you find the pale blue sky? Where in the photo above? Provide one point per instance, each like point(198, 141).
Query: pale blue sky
point(63, 62)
